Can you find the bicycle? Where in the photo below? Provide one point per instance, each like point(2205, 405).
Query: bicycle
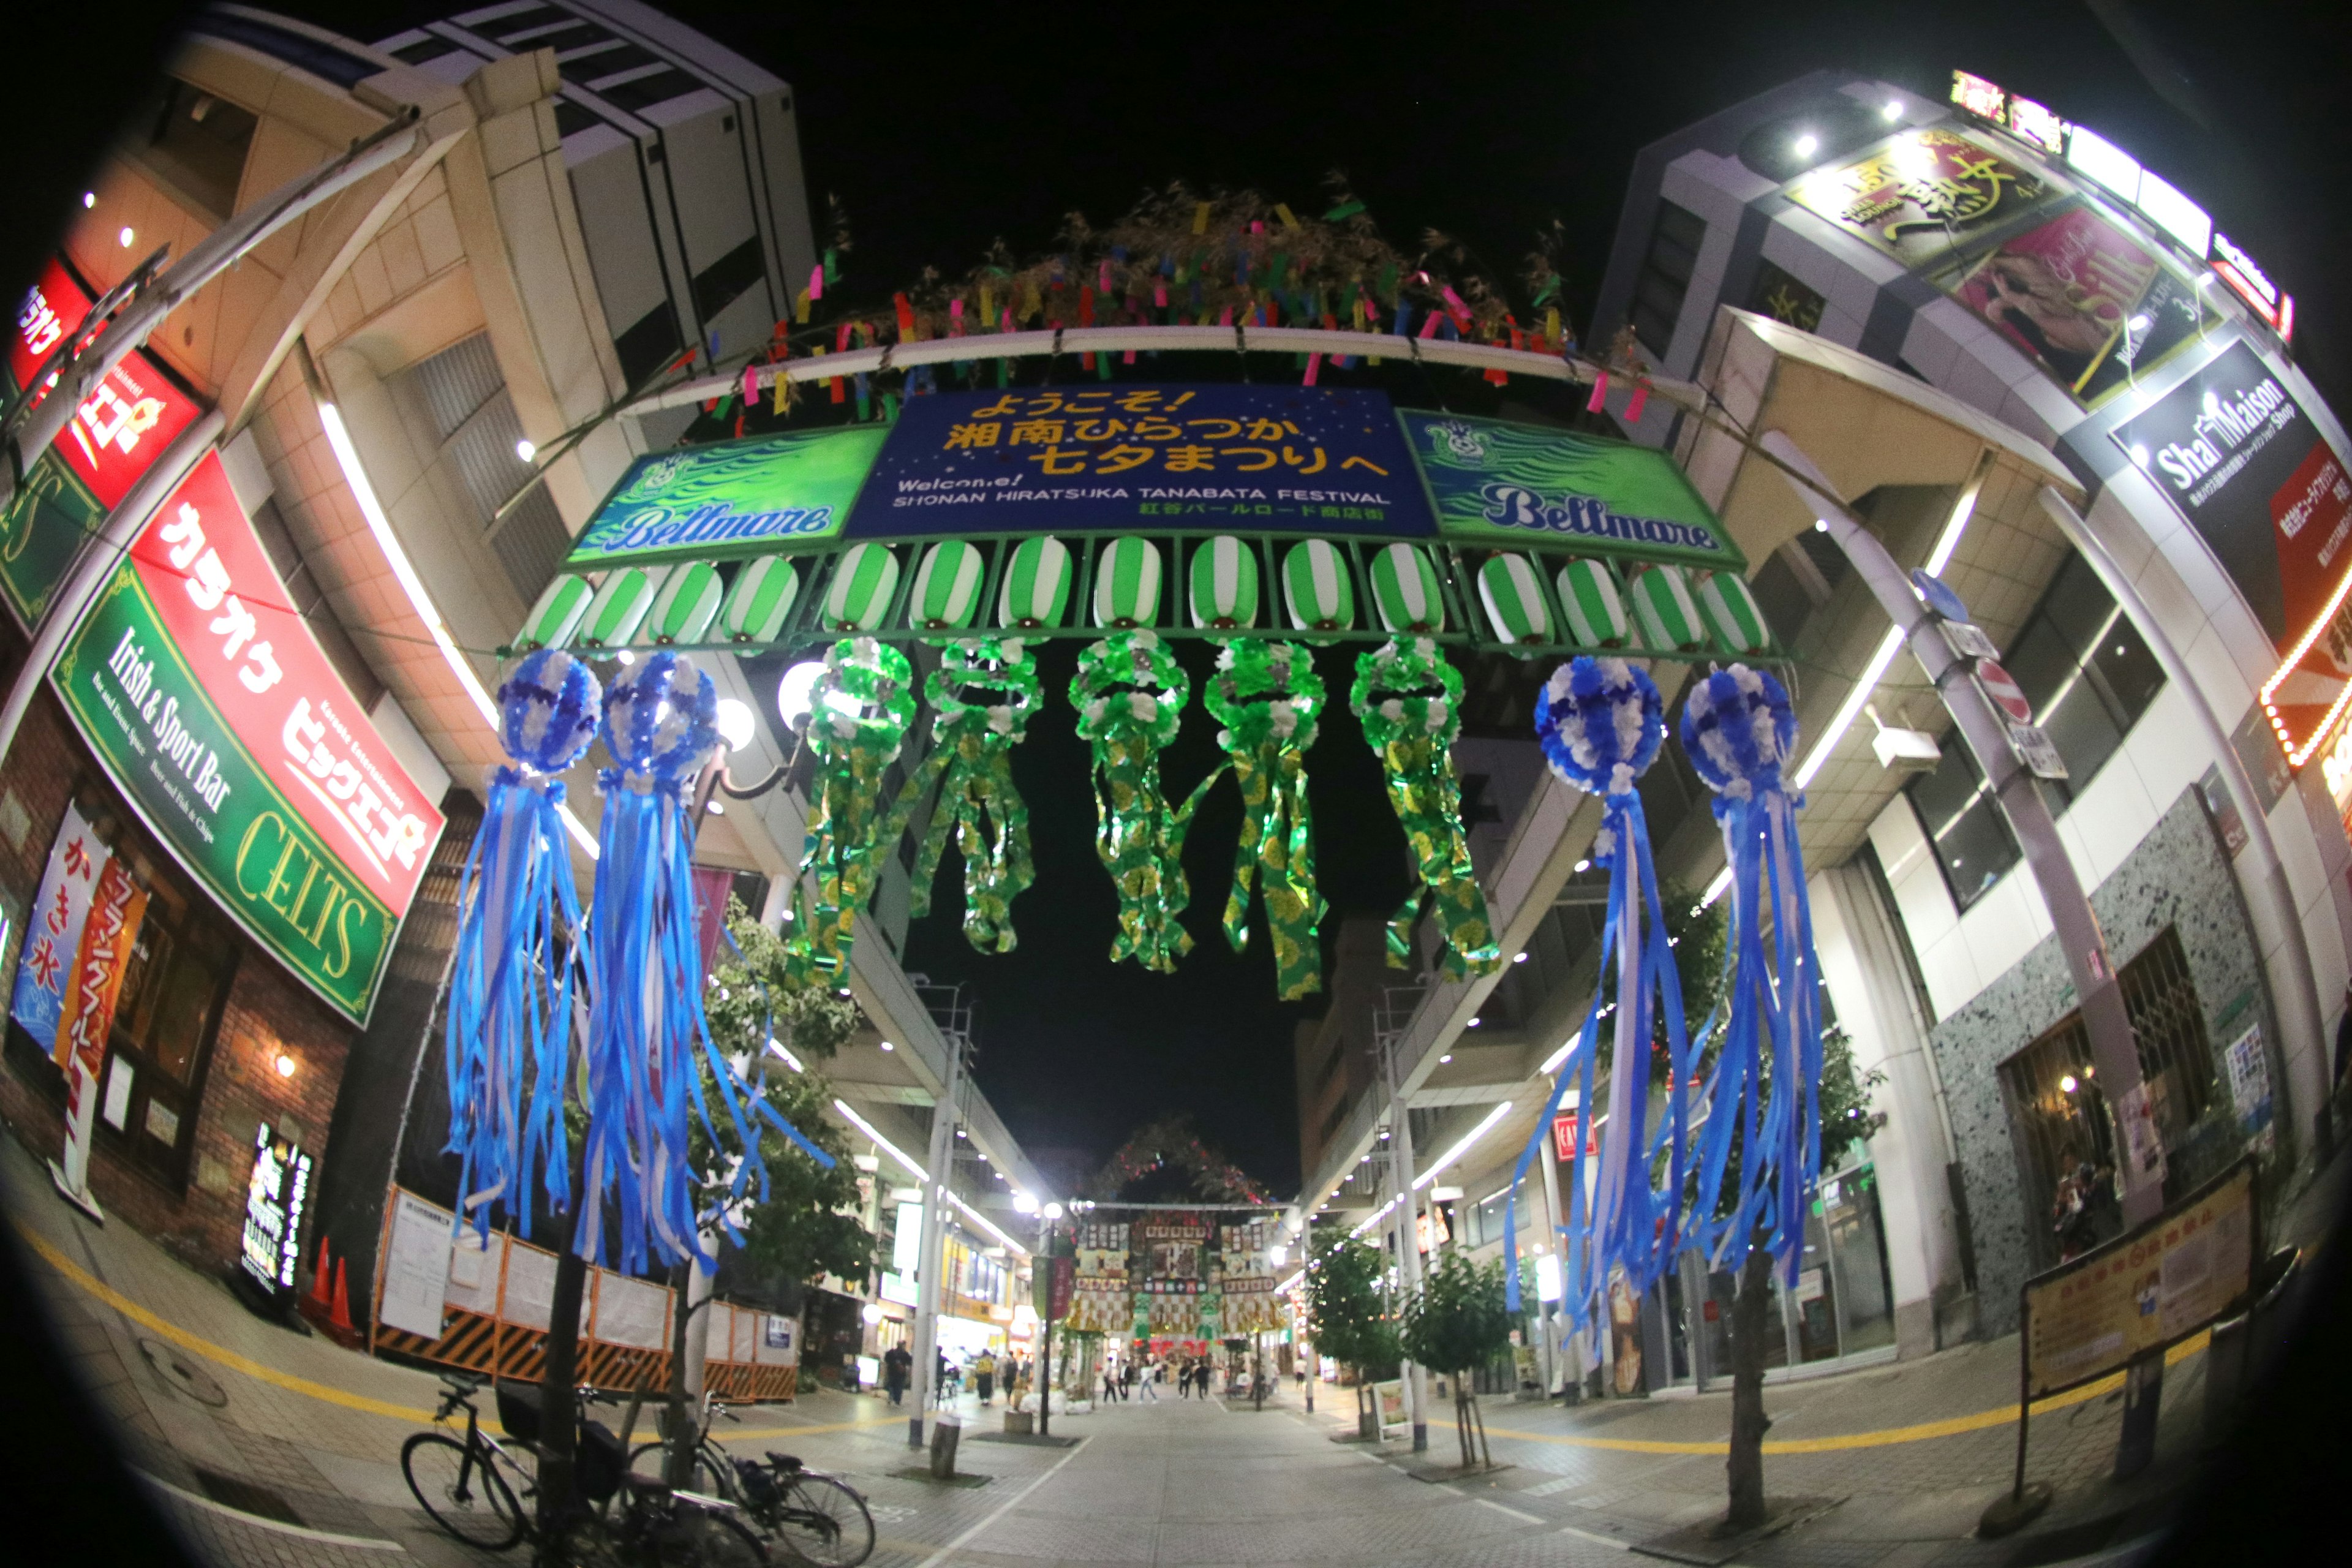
point(819, 1517)
point(629, 1521)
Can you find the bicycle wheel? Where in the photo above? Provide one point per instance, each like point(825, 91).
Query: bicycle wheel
point(702, 1538)
point(650, 1459)
point(826, 1523)
point(461, 1490)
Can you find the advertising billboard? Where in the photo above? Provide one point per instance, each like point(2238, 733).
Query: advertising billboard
point(2246, 464)
point(2086, 301)
point(275, 1192)
point(1922, 193)
point(208, 699)
point(1295, 459)
point(1494, 482)
point(126, 421)
point(730, 499)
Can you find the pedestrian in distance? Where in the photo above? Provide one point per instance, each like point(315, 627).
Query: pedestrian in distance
point(983, 1372)
point(898, 1367)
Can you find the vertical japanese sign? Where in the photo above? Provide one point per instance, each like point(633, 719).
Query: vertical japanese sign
point(276, 1194)
point(53, 931)
point(2247, 467)
point(206, 697)
point(120, 429)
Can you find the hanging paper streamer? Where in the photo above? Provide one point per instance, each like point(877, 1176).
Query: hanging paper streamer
point(1129, 693)
point(1266, 696)
point(1739, 732)
point(1409, 700)
point(509, 1007)
point(859, 709)
point(982, 697)
point(1601, 723)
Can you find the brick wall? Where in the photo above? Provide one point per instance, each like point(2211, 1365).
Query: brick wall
point(269, 1013)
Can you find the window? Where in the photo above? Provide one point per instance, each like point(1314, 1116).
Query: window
point(464, 400)
point(2090, 677)
point(323, 60)
point(647, 346)
point(1666, 274)
point(727, 279)
point(1779, 295)
point(197, 144)
point(423, 49)
point(643, 92)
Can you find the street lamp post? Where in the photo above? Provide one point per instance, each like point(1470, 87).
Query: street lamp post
point(1402, 1180)
point(928, 1266)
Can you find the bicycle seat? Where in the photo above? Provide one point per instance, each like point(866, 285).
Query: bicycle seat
point(461, 1383)
point(645, 1486)
point(784, 1461)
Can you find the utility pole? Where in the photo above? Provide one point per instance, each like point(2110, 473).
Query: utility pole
point(927, 1263)
point(1402, 1176)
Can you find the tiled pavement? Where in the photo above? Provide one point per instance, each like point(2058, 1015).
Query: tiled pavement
point(209, 1403)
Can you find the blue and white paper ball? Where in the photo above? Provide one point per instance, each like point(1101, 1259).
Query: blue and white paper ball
point(1739, 732)
point(548, 710)
point(1601, 723)
point(661, 719)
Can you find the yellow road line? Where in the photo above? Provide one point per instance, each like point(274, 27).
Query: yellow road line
point(1952, 1427)
point(83, 1280)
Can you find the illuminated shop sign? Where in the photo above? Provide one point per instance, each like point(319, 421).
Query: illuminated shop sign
point(208, 699)
point(274, 1195)
point(2157, 199)
point(2246, 464)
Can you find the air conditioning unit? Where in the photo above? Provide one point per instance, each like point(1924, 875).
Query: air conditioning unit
point(1903, 751)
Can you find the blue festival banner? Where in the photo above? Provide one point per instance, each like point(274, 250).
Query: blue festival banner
point(1288, 459)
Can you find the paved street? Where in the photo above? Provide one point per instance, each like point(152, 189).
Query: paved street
point(269, 1448)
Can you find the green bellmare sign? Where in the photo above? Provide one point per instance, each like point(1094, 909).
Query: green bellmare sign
point(1493, 482)
point(751, 497)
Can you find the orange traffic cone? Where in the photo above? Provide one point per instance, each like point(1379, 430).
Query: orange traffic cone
point(342, 1317)
point(319, 1284)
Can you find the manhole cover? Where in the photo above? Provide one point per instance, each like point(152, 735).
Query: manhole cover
point(246, 1496)
point(179, 1369)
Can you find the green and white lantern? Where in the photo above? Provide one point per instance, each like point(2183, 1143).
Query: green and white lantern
point(1404, 589)
point(1223, 583)
point(1315, 587)
point(761, 601)
point(947, 587)
point(1589, 600)
point(618, 609)
point(1127, 585)
point(684, 606)
point(1036, 590)
point(1512, 592)
point(1666, 612)
point(1731, 614)
point(864, 580)
point(562, 606)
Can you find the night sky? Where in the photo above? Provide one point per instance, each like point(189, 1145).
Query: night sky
point(943, 128)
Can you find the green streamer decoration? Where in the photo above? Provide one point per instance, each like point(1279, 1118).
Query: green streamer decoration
point(1409, 700)
point(859, 709)
point(1129, 693)
point(1266, 696)
point(981, 695)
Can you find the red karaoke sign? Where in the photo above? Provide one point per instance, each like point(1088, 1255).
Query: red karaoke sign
point(128, 418)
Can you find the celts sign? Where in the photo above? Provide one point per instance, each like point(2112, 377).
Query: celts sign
point(208, 701)
point(1194, 510)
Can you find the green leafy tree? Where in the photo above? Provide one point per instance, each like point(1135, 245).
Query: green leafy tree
point(1455, 1322)
point(1346, 1307)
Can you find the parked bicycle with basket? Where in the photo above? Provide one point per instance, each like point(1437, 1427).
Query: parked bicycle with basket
point(819, 1518)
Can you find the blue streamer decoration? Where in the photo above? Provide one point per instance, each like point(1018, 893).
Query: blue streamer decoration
point(1601, 723)
point(511, 987)
point(1739, 731)
point(646, 1018)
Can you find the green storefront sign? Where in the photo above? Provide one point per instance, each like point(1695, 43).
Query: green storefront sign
point(167, 745)
point(751, 497)
point(48, 518)
point(1494, 482)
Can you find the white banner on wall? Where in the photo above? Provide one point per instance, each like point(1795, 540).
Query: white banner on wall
point(416, 1268)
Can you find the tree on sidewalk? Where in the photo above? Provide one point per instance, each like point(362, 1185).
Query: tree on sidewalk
point(1348, 1311)
point(1457, 1321)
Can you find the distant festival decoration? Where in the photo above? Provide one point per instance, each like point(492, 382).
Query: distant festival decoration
point(1129, 693)
point(1409, 700)
point(1266, 696)
point(983, 695)
point(517, 950)
point(1601, 724)
point(859, 710)
point(1739, 732)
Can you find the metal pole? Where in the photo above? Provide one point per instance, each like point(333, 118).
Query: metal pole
point(212, 256)
point(1407, 1236)
point(96, 563)
point(2296, 991)
point(1551, 1368)
point(927, 1268)
point(2076, 927)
